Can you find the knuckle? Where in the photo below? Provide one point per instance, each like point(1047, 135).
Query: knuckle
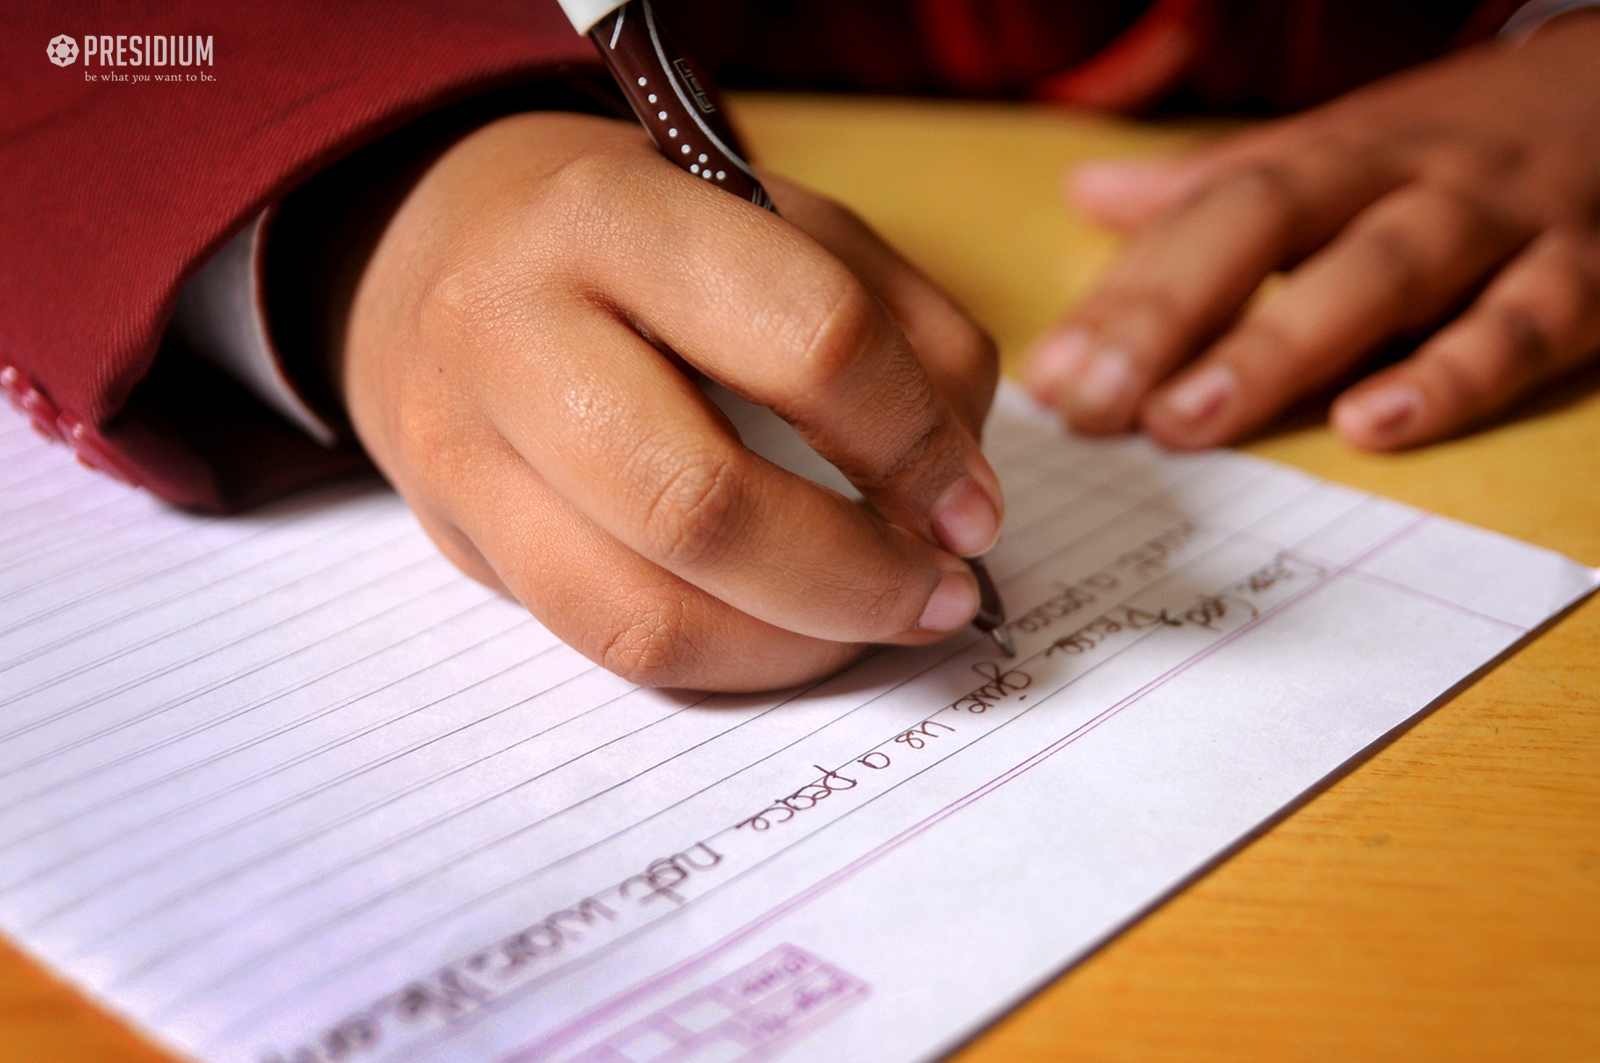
point(458, 309)
point(880, 598)
point(889, 607)
point(651, 646)
point(698, 511)
point(571, 220)
point(1478, 158)
point(1499, 158)
point(1275, 350)
point(1554, 290)
point(1465, 219)
point(1392, 254)
point(1471, 379)
point(1268, 188)
point(1154, 314)
point(1526, 352)
point(919, 452)
point(837, 324)
point(1514, 353)
point(426, 429)
point(1569, 283)
point(1415, 240)
point(418, 428)
point(583, 183)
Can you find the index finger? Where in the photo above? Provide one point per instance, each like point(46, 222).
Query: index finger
point(1128, 192)
point(768, 312)
point(959, 357)
point(1185, 277)
point(634, 447)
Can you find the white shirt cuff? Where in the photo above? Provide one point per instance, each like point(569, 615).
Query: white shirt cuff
point(1535, 13)
point(222, 314)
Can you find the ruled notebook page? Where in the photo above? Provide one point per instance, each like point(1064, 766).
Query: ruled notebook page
point(286, 787)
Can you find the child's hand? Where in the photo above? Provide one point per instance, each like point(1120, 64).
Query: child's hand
point(517, 361)
point(1462, 199)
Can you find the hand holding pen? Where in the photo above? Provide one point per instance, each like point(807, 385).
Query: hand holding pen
point(517, 357)
point(678, 104)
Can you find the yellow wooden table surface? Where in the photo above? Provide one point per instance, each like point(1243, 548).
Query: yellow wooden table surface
point(1441, 901)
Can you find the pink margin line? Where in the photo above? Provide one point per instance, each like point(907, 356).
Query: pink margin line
point(658, 982)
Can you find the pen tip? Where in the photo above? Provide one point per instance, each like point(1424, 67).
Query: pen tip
point(1002, 638)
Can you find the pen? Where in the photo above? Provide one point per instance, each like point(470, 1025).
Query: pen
point(679, 107)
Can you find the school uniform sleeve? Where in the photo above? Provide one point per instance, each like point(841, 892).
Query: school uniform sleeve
point(123, 178)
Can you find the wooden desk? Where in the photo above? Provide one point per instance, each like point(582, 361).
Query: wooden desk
point(1442, 901)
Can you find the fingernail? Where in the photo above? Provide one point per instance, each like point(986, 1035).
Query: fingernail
point(1102, 384)
point(1203, 394)
point(965, 519)
point(1056, 361)
point(1106, 177)
point(1384, 412)
point(954, 603)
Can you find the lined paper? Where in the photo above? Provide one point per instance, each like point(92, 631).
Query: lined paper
point(286, 787)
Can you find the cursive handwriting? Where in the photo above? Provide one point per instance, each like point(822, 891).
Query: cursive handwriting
point(1208, 613)
point(918, 736)
point(1280, 569)
point(480, 977)
point(802, 800)
point(555, 932)
point(1000, 685)
point(1096, 631)
point(662, 877)
point(1151, 558)
point(1064, 603)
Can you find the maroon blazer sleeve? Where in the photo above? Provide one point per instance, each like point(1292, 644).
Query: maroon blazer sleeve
point(115, 192)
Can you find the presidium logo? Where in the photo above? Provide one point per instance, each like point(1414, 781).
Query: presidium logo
point(63, 50)
point(136, 50)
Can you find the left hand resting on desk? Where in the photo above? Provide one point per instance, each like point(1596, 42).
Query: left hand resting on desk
point(1461, 199)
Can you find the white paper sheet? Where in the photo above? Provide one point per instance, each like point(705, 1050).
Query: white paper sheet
point(285, 787)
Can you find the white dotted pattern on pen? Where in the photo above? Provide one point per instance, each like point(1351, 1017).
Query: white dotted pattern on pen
point(698, 167)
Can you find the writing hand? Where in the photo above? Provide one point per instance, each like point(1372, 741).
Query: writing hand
point(1460, 202)
point(518, 358)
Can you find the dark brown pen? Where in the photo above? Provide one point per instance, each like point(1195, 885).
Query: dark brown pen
point(679, 106)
